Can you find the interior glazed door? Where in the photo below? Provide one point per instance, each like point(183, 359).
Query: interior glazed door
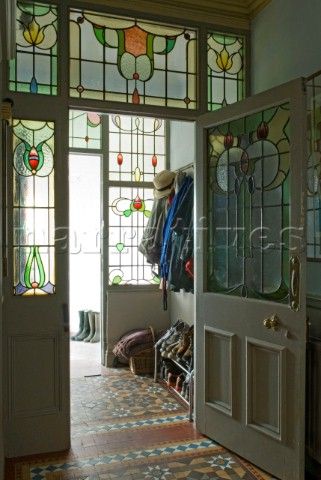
point(36, 329)
point(250, 293)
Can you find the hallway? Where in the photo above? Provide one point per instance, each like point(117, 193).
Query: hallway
point(129, 428)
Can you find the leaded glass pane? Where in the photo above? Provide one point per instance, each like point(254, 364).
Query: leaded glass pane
point(129, 210)
point(133, 61)
point(34, 69)
point(84, 129)
point(136, 148)
point(314, 169)
point(33, 208)
point(248, 206)
point(226, 69)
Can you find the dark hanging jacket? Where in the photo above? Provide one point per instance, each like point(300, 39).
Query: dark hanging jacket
point(151, 243)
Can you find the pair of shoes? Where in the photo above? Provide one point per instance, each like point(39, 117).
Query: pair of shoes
point(171, 336)
point(89, 327)
point(182, 345)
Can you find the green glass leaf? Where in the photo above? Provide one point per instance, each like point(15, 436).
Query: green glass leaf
point(117, 280)
point(120, 247)
point(100, 34)
point(127, 213)
point(147, 213)
point(156, 279)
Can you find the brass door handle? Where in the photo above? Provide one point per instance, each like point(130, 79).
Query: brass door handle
point(295, 283)
point(272, 323)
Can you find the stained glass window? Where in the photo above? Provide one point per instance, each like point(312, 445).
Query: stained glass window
point(314, 169)
point(136, 148)
point(33, 208)
point(136, 155)
point(226, 69)
point(84, 129)
point(129, 60)
point(248, 198)
point(34, 69)
point(129, 210)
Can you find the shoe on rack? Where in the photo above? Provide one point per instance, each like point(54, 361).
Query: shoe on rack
point(81, 324)
point(171, 380)
point(179, 383)
point(166, 353)
point(86, 329)
point(174, 334)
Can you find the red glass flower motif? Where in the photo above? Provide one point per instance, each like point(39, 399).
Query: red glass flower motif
point(120, 159)
point(137, 203)
point(154, 160)
point(33, 159)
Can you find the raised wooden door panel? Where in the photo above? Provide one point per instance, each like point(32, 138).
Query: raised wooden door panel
point(250, 268)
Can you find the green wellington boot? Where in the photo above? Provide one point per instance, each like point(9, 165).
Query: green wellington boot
point(91, 317)
point(81, 324)
point(86, 329)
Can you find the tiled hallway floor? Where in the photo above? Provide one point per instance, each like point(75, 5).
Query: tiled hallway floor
point(129, 428)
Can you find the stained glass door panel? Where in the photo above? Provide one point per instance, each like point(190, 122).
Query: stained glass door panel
point(248, 198)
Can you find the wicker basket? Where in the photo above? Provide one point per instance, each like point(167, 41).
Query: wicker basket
point(144, 361)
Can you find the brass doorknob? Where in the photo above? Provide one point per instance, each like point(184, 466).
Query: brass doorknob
point(272, 322)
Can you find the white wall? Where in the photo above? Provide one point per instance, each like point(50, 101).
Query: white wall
point(182, 153)
point(286, 39)
point(286, 44)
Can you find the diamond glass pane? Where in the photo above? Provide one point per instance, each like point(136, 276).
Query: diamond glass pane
point(84, 129)
point(314, 169)
point(248, 206)
point(33, 208)
point(129, 210)
point(128, 60)
point(136, 148)
point(34, 68)
point(225, 69)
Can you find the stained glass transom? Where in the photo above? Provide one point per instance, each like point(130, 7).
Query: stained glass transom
point(34, 69)
point(314, 169)
point(136, 148)
point(84, 129)
point(226, 69)
point(248, 198)
point(129, 210)
point(129, 60)
point(33, 208)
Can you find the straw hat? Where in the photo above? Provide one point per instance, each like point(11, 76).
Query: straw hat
point(163, 183)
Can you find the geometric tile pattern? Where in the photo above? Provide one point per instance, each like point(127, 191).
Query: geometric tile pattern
point(129, 428)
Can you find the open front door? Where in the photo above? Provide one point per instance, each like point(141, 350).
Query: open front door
point(36, 329)
point(250, 291)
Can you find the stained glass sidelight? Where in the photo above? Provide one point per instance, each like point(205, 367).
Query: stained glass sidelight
point(129, 210)
point(129, 60)
point(226, 69)
point(136, 148)
point(84, 129)
point(33, 208)
point(314, 170)
point(248, 206)
point(34, 69)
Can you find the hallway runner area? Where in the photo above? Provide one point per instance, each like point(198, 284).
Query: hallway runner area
point(127, 427)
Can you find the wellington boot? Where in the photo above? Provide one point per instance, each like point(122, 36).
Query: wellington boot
point(96, 337)
point(81, 324)
point(91, 318)
point(86, 329)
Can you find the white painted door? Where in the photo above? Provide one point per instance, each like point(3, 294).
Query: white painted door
point(250, 293)
point(36, 326)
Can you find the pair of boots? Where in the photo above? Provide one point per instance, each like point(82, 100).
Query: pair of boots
point(89, 327)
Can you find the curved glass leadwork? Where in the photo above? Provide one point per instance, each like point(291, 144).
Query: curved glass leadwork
point(129, 60)
point(136, 148)
point(226, 69)
point(34, 69)
point(129, 210)
point(314, 170)
point(248, 198)
point(33, 207)
point(84, 129)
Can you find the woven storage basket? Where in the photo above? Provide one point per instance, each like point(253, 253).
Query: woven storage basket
point(144, 361)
